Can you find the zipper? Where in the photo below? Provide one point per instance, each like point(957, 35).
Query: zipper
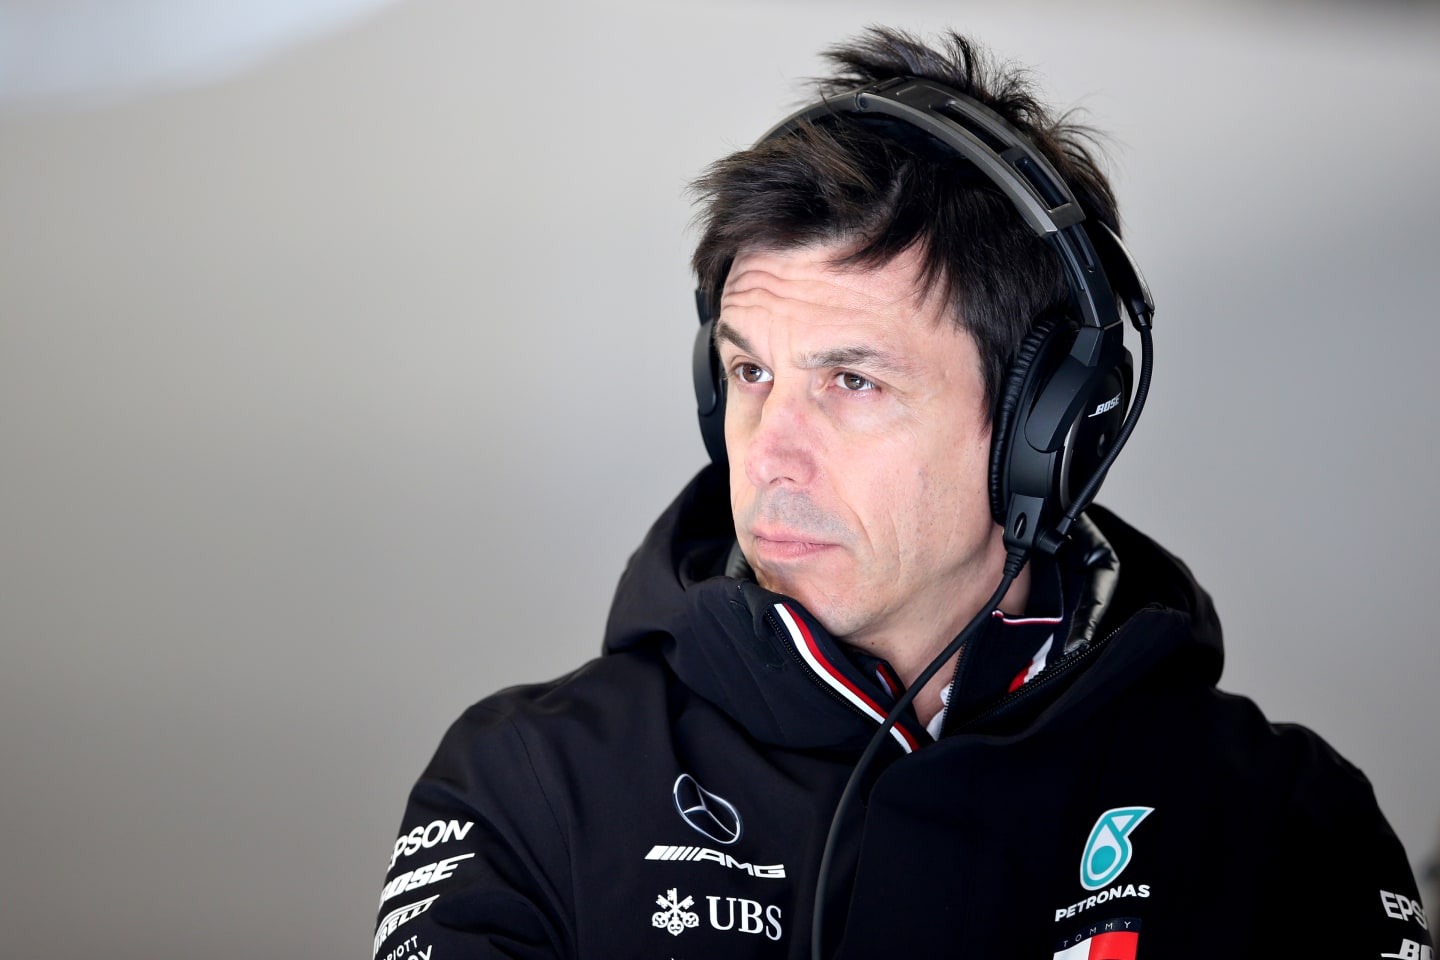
point(1047, 678)
point(788, 643)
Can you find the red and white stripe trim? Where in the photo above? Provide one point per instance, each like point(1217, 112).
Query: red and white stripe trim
point(887, 680)
point(1037, 663)
point(1020, 621)
point(812, 654)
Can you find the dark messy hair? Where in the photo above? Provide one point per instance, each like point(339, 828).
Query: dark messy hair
point(844, 182)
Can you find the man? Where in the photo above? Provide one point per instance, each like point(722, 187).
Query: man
point(908, 334)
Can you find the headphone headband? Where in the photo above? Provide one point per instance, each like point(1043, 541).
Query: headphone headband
point(971, 130)
point(1042, 198)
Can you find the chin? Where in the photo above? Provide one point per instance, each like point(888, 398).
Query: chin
point(837, 617)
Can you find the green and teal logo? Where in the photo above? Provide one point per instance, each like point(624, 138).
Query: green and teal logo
point(1107, 852)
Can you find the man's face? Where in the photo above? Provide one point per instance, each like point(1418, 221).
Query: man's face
point(858, 440)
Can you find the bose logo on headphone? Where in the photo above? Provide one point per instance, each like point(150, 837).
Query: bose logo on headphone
point(1110, 404)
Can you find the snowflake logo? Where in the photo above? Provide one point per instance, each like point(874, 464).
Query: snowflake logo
point(674, 915)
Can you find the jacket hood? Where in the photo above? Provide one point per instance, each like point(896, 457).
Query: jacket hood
point(724, 637)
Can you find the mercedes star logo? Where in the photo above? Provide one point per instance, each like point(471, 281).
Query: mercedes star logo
point(712, 815)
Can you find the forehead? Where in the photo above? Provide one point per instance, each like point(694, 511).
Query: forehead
point(806, 283)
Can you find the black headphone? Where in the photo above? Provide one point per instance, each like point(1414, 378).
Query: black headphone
point(1060, 409)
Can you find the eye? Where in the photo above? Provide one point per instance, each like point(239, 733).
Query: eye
point(752, 373)
point(854, 382)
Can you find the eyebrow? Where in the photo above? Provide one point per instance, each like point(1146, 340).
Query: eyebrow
point(724, 333)
point(856, 356)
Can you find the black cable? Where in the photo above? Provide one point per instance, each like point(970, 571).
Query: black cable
point(1013, 563)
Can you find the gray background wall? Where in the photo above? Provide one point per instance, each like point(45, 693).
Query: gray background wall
point(336, 386)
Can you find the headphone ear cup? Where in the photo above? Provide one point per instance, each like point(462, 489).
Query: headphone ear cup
point(1019, 375)
point(709, 391)
point(1076, 407)
point(1095, 432)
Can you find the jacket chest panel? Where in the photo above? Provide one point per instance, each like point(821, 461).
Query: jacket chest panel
point(710, 853)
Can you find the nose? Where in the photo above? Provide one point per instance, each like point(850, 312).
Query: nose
point(783, 446)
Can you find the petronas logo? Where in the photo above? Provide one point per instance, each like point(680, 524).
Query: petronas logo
point(1107, 852)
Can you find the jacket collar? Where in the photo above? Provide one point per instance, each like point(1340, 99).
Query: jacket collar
point(761, 658)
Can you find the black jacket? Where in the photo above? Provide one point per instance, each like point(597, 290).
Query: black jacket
point(671, 798)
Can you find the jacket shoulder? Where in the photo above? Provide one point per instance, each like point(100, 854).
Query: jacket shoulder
point(612, 682)
point(1330, 852)
point(530, 730)
point(1293, 763)
point(483, 864)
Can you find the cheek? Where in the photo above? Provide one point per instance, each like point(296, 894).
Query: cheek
point(896, 501)
point(951, 493)
point(740, 489)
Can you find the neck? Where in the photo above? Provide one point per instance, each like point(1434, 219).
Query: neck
point(909, 659)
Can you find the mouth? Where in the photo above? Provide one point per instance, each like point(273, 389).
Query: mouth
point(780, 546)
